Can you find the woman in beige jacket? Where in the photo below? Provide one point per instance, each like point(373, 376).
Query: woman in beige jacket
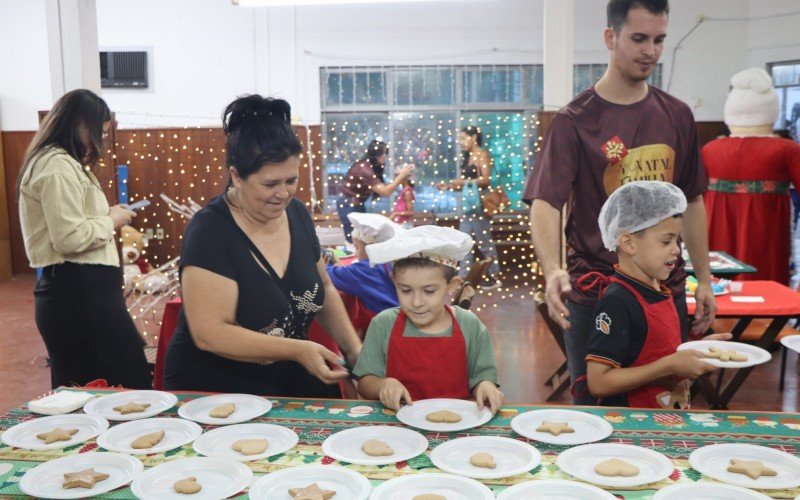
point(69, 230)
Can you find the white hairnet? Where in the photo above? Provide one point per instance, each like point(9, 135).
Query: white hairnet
point(638, 205)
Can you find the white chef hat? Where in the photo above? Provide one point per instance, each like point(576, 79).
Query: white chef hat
point(444, 245)
point(752, 100)
point(372, 228)
point(638, 205)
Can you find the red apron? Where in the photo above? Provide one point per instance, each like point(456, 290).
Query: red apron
point(663, 339)
point(429, 367)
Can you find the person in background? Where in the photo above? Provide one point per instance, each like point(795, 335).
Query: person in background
point(403, 212)
point(371, 285)
point(365, 179)
point(252, 275)
point(476, 166)
point(68, 230)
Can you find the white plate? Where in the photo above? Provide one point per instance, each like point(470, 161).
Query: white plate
point(554, 489)
point(588, 427)
point(511, 457)
point(346, 445)
point(414, 415)
point(104, 406)
point(348, 484)
point(450, 486)
point(217, 443)
point(177, 432)
point(580, 461)
point(24, 435)
point(46, 480)
point(755, 355)
point(219, 479)
point(707, 491)
point(248, 407)
point(713, 461)
point(792, 342)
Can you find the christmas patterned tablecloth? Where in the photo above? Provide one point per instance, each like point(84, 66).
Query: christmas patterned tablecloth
point(674, 433)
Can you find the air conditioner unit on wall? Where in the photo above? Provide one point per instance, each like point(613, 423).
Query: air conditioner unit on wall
point(124, 69)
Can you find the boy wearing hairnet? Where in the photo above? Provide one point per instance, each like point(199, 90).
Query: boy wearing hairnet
point(632, 356)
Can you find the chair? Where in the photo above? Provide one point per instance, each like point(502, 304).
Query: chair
point(559, 380)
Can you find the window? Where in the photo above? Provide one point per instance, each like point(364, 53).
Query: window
point(786, 76)
point(418, 111)
point(586, 75)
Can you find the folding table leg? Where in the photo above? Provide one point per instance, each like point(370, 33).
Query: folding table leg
point(784, 351)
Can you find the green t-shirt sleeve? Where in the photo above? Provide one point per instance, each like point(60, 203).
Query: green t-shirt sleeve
point(481, 363)
point(372, 359)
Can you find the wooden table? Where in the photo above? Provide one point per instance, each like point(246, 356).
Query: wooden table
point(674, 433)
point(781, 304)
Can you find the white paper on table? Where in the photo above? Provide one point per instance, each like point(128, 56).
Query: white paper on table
point(60, 402)
point(746, 298)
point(691, 300)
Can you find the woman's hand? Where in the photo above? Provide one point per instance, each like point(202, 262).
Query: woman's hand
point(120, 216)
point(392, 392)
point(404, 172)
point(488, 394)
point(315, 357)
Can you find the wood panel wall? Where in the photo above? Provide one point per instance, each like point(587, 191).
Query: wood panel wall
point(14, 146)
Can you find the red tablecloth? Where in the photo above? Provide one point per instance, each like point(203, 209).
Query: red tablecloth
point(779, 300)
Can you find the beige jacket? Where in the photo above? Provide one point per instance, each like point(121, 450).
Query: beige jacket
point(64, 214)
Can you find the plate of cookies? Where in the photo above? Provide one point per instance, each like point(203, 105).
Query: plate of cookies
point(747, 465)
point(615, 465)
point(707, 491)
point(726, 354)
point(225, 409)
point(444, 415)
point(196, 477)
point(555, 489)
point(562, 427)
point(131, 405)
point(375, 445)
point(311, 481)
point(54, 433)
point(486, 457)
point(246, 442)
point(80, 476)
point(432, 487)
point(151, 435)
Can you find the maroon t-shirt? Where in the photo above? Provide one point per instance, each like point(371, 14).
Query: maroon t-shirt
point(359, 180)
point(595, 146)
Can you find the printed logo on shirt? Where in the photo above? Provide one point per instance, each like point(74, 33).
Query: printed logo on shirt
point(652, 162)
point(603, 323)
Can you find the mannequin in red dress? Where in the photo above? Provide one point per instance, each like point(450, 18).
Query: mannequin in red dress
point(750, 173)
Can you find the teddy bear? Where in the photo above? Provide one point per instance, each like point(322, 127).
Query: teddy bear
point(139, 275)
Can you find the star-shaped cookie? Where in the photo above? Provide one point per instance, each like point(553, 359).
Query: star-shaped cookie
point(132, 407)
point(83, 479)
point(311, 492)
point(555, 428)
point(57, 434)
point(751, 468)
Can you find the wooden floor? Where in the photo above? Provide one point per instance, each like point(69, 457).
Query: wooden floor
point(526, 353)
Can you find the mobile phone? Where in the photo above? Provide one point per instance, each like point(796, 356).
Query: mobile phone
point(139, 204)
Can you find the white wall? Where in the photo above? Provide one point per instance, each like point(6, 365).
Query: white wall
point(207, 51)
point(24, 64)
point(774, 32)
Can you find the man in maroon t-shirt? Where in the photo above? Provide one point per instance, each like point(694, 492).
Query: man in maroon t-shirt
point(620, 130)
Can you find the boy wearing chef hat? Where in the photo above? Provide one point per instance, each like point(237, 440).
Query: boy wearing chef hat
point(424, 348)
point(373, 286)
point(632, 355)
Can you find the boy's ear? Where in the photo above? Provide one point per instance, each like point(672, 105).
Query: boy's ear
point(626, 244)
point(454, 284)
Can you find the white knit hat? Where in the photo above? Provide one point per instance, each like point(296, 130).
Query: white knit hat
point(444, 245)
point(372, 228)
point(752, 101)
